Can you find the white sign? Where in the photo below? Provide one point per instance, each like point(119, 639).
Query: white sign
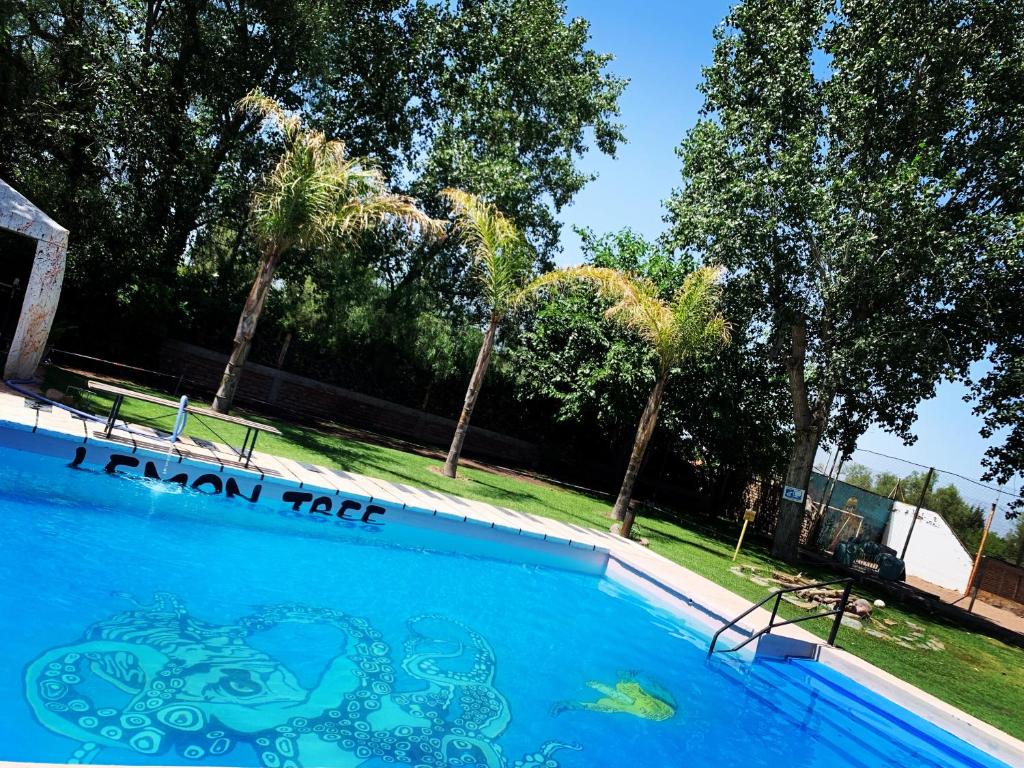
point(789, 493)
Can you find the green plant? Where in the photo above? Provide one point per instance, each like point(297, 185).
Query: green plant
point(315, 197)
point(504, 264)
point(687, 327)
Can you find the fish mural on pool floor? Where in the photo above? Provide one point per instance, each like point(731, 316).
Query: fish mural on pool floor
point(155, 678)
point(634, 694)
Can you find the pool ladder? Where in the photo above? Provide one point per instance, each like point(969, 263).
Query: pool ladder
point(777, 595)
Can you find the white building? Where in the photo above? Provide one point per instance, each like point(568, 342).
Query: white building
point(935, 553)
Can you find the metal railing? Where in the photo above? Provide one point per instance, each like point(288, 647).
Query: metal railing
point(777, 594)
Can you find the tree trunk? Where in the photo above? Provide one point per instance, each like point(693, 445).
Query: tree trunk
point(245, 331)
point(626, 528)
point(648, 420)
point(483, 359)
point(809, 423)
point(786, 544)
point(284, 349)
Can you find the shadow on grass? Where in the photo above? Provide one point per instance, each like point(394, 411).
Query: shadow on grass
point(656, 536)
point(391, 464)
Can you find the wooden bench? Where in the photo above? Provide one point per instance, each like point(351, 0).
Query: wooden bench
point(252, 428)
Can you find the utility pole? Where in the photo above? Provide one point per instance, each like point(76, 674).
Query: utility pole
point(981, 547)
point(827, 500)
point(917, 509)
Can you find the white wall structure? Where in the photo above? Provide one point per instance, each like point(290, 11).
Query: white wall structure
point(42, 293)
point(935, 553)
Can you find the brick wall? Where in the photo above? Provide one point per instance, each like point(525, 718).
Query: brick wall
point(279, 390)
point(1001, 578)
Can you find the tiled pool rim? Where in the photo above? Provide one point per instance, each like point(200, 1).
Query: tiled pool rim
point(591, 550)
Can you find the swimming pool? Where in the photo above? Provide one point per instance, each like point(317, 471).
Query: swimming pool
point(143, 622)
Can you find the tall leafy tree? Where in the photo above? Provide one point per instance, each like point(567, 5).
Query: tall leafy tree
point(503, 262)
point(999, 392)
point(685, 328)
point(854, 172)
point(130, 108)
point(316, 196)
point(860, 476)
point(119, 120)
point(519, 97)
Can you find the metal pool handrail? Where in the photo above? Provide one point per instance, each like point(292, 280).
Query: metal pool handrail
point(777, 594)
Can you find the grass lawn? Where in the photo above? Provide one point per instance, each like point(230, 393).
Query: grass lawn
point(979, 675)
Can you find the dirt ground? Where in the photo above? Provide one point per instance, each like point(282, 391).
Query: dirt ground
point(1000, 616)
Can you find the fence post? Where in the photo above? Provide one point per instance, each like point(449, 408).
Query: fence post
point(838, 620)
point(917, 510)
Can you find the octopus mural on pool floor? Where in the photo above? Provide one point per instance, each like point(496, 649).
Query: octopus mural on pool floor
point(154, 678)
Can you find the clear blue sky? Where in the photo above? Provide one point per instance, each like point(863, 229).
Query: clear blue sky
point(661, 45)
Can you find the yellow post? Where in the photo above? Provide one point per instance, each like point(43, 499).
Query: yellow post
point(747, 517)
point(981, 548)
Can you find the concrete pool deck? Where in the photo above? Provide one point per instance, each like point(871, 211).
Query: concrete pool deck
point(657, 573)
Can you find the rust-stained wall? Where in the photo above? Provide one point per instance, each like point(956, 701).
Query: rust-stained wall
point(42, 293)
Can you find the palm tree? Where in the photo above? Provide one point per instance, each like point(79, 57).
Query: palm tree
point(684, 328)
point(504, 265)
point(315, 197)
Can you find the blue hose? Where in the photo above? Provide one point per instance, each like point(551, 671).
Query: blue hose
point(182, 418)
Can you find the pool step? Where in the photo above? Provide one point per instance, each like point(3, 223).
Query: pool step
point(797, 684)
point(780, 697)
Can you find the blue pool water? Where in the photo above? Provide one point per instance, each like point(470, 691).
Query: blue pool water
point(143, 623)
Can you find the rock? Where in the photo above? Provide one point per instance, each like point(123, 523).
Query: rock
point(879, 603)
point(762, 582)
point(737, 570)
point(788, 579)
point(54, 394)
point(789, 598)
point(890, 622)
point(862, 607)
point(852, 623)
point(876, 633)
